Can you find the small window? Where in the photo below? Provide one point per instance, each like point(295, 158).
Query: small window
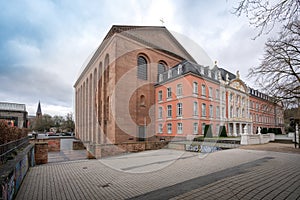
point(211, 111)
point(195, 128)
point(195, 108)
point(142, 100)
point(179, 70)
point(160, 112)
point(210, 92)
point(179, 128)
point(170, 73)
point(160, 128)
point(218, 129)
point(142, 71)
point(179, 90)
point(161, 67)
point(169, 93)
point(179, 109)
point(223, 112)
point(160, 95)
point(203, 110)
point(231, 97)
point(169, 125)
point(195, 87)
point(202, 70)
point(203, 90)
point(160, 77)
point(203, 128)
point(169, 111)
point(218, 112)
point(217, 94)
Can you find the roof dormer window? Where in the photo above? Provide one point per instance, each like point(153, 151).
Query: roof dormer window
point(179, 69)
point(170, 73)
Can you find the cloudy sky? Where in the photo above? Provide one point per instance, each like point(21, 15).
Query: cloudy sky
point(44, 44)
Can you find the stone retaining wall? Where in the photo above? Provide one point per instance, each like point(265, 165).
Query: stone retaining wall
point(104, 150)
point(13, 172)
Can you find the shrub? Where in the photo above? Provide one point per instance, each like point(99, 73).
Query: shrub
point(8, 134)
point(264, 131)
point(222, 131)
point(207, 131)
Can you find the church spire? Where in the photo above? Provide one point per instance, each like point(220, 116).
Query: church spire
point(39, 110)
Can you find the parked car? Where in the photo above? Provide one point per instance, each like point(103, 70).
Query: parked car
point(50, 134)
point(67, 134)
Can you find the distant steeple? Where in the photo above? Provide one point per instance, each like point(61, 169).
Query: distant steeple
point(39, 111)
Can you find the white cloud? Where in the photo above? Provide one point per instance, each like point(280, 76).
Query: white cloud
point(60, 36)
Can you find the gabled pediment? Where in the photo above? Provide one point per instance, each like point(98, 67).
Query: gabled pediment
point(156, 37)
point(238, 85)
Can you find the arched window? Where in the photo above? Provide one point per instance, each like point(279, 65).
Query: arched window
point(106, 66)
point(142, 72)
point(142, 100)
point(161, 68)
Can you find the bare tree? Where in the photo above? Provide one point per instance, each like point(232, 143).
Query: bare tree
point(279, 72)
point(264, 15)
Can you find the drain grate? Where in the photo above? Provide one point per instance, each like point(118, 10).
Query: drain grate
point(105, 185)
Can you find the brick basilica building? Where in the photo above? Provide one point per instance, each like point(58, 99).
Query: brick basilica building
point(141, 84)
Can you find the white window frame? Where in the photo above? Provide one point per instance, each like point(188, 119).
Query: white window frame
point(179, 109)
point(203, 90)
point(160, 128)
point(195, 108)
point(160, 95)
point(169, 128)
point(179, 128)
point(169, 93)
point(169, 111)
point(210, 92)
point(195, 88)
point(203, 110)
point(218, 112)
point(179, 90)
point(211, 111)
point(160, 112)
point(203, 128)
point(195, 128)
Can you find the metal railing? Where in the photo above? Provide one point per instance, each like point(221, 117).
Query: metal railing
point(8, 148)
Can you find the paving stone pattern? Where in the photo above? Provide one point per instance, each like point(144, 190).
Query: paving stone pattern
point(230, 174)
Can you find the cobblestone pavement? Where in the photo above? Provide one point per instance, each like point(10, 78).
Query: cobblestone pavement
point(277, 147)
point(66, 153)
point(169, 174)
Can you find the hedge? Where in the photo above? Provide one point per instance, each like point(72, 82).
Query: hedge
point(8, 134)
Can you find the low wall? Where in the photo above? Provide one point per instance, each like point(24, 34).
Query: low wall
point(53, 143)
point(41, 153)
point(104, 150)
point(248, 139)
point(78, 145)
point(13, 172)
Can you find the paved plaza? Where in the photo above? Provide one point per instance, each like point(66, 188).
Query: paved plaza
point(169, 174)
point(66, 152)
